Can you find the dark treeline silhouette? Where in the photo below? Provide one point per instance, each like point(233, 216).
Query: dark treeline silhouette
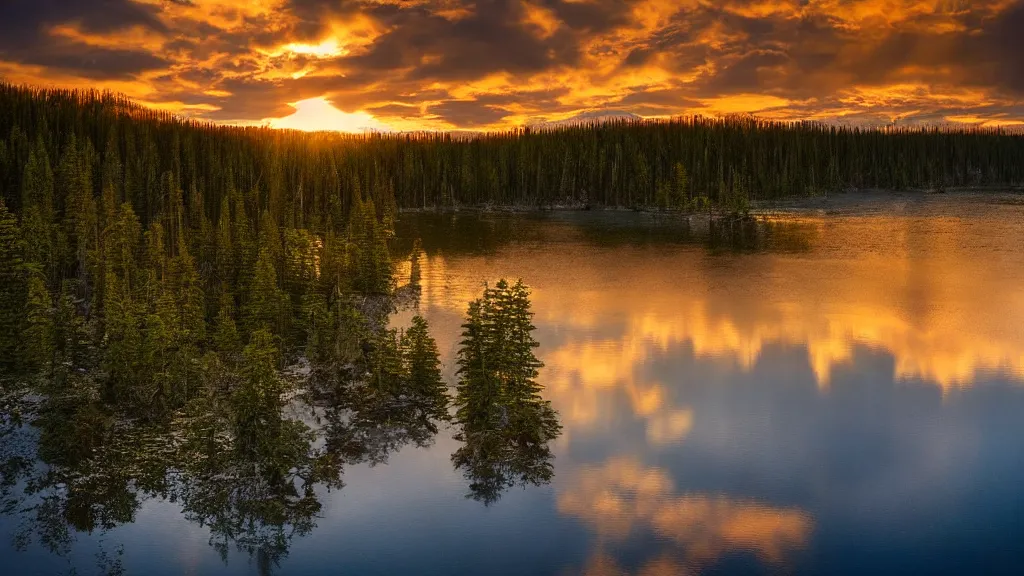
point(309, 181)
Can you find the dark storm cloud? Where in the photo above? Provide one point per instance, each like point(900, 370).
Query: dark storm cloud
point(92, 62)
point(24, 21)
point(477, 63)
point(546, 99)
point(24, 36)
point(470, 114)
point(594, 16)
point(485, 109)
point(488, 39)
point(998, 55)
point(665, 99)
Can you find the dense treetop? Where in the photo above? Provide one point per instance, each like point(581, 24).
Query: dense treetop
point(310, 180)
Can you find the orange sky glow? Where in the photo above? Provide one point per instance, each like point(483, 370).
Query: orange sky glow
point(494, 64)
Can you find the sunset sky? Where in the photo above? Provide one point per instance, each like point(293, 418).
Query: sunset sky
point(492, 64)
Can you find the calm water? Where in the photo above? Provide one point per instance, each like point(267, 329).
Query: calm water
point(839, 391)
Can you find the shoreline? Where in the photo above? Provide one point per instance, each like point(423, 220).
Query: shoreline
point(757, 207)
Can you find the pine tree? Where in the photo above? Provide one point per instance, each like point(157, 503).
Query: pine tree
point(256, 402)
point(477, 390)
point(13, 288)
point(385, 365)
point(423, 369)
point(72, 336)
point(264, 306)
point(38, 212)
point(156, 359)
point(225, 335)
point(318, 325)
point(501, 417)
point(122, 312)
point(680, 186)
point(378, 269)
point(414, 264)
point(69, 195)
point(38, 332)
point(112, 178)
point(186, 286)
point(224, 260)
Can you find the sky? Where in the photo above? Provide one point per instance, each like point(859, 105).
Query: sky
point(495, 64)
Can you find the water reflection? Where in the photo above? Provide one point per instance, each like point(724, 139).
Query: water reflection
point(845, 401)
point(622, 497)
point(917, 288)
point(750, 402)
point(248, 460)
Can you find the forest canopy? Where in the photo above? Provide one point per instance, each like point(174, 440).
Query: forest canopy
point(309, 180)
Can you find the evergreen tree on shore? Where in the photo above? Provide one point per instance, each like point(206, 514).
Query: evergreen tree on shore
point(13, 288)
point(501, 417)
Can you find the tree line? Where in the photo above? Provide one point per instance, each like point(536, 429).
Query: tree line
point(311, 181)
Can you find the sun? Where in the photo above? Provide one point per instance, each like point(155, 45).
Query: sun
point(318, 114)
point(326, 49)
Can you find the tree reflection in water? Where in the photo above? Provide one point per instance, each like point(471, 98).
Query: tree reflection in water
point(247, 458)
point(251, 453)
point(503, 421)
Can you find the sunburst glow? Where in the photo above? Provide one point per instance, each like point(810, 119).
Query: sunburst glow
point(452, 65)
point(318, 114)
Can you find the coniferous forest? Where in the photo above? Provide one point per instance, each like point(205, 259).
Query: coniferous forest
point(169, 287)
point(157, 234)
point(229, 351)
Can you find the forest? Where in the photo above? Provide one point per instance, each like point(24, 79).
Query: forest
point(234, 360)
point(139, 224)
point(169, 288)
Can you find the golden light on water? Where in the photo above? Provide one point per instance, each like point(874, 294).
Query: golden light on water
point(913, 289)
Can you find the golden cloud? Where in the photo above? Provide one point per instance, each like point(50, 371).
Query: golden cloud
point(870, 61)
point(621, 497)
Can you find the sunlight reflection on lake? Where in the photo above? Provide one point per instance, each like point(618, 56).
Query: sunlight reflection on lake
point(837, 389)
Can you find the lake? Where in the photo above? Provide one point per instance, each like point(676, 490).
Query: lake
point(838, 389)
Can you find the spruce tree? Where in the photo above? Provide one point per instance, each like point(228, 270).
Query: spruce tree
point(256, 402)
point(225, 334)
point(680, 186)
point(414, 265)
point(13, 288)
point(423, 369)
point(38, 331)
point(501, 417)
point(37, 212)
point(225, 262)
point(264, 306)
point(186, 285)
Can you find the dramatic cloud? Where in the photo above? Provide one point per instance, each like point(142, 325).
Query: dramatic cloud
point(483, 64)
